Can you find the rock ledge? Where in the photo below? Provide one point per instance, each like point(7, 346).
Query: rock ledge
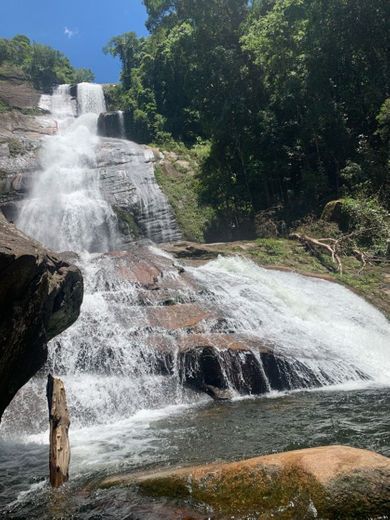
point(40, 296)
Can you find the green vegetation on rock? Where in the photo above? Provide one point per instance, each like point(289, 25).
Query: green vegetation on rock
point(127, 223)
point(3, 106)
point(42, 65)
point(178, 176)
point(16, 147)
point(286, 493)
point(248, 491)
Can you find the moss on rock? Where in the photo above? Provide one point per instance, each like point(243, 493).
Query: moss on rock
point(177, 176)
point(127, 223)
point(328, 482)
point(335, 211)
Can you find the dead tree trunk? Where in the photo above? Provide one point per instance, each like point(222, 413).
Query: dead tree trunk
point(59, 426)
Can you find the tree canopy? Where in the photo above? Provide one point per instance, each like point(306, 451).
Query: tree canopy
point(44, 66)
point(290, 94)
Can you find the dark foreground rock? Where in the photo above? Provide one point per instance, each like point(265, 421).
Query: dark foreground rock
point(327, 482)
point(40, 296)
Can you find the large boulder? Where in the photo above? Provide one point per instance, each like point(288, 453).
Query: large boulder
point(327, 482)
point(123, 125)
point(40, 296)
point(335, 211)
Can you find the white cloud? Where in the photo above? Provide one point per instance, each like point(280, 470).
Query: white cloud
point(70, 32)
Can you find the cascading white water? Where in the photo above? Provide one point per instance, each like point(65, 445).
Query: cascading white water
point(90, 99)
point(105, 359)
point(122, 129)
point(65, 210)
point(316, 324)
point(108, 358)
point(105, 362)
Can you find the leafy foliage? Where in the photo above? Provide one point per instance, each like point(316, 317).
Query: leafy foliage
point(43, 65)
point(293, 96)
point(369, 224)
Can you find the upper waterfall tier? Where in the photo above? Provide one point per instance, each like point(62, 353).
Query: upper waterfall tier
point(86, 180)
point(65, 209)
point(90, 98)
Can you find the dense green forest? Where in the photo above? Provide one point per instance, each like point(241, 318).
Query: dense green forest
point(43, 66)
point(290, 98)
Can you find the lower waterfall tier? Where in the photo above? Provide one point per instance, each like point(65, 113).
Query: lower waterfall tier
point(152, 331)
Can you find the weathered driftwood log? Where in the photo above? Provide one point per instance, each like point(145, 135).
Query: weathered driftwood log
point(59, 426)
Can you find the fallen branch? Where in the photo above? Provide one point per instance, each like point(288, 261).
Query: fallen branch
point(312, 243)
point(360, 255)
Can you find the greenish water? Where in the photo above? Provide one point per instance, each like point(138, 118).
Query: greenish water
point(183, 436)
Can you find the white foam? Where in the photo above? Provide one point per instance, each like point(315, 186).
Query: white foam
point(66, 210)
point(321, 324)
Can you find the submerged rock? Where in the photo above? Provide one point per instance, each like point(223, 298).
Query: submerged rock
point(40, 296)
point(327, 482)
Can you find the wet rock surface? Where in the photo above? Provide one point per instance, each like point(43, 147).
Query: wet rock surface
point(127, 180)
point(185, 332)
point(326, 482)
point(111, 125)
point(40, 296)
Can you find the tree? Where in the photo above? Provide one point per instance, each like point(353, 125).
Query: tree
point(126, 47)
point(286, 91)
point(43, 65)
point(82, 75)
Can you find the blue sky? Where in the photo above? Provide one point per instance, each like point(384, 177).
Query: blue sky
point(78, 28)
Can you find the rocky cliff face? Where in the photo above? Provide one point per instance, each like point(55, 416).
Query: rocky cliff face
point(22, 124)
point(15, 91)
point(127, 181)
point(40, 296)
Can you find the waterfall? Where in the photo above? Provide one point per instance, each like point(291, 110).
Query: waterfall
point(122, 129)
point(143, 316)
point(321, 328)
point(105, 360)
point(66, 210)
point(90, 98)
